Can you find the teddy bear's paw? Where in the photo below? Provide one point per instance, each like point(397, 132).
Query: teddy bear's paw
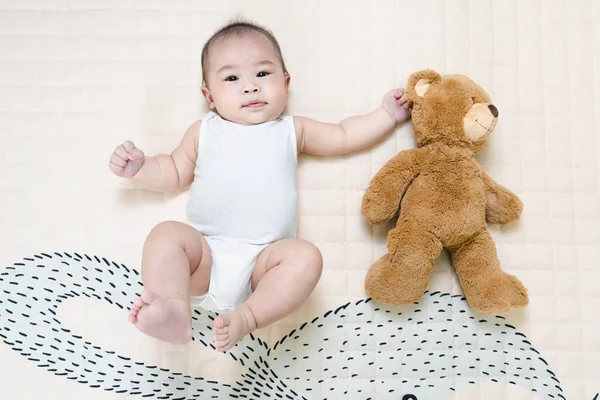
point(502, 292)
point(391, 284)
point(503, 207)
point(375, 210)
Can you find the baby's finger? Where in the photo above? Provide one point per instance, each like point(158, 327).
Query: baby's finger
point(135, 154)
point(395, 93)
point(402, 100)
point(121, 152)
point(114, 168)
point(128, 145)
point(118, 161)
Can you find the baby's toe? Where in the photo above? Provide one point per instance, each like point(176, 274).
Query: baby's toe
point(228, 346)
point(222, 331)
point(221, 346)
point(138, 303)
point(222, 322)
point(148, 297)
point(222, 337)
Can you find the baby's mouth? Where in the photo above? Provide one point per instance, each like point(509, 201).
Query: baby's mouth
point(255, 104)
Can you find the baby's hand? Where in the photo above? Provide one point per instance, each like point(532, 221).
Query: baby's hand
point(126, 160)
point(397, 105)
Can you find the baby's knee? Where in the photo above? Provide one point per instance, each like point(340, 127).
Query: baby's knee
point(311, 257)
point(166, 230)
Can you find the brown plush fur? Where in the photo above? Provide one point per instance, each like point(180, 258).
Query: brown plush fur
point(443, 197)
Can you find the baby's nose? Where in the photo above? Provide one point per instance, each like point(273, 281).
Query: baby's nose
point(251, 89)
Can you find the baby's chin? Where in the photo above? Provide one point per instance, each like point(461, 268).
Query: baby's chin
point(251, 117)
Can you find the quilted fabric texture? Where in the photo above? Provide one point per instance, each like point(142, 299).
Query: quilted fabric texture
point(79, 77)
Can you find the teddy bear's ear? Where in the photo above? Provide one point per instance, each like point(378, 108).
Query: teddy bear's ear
point(420, 82)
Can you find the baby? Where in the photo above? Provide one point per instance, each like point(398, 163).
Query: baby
point(238, 254)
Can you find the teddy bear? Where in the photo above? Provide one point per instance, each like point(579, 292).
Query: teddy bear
point(443, 198)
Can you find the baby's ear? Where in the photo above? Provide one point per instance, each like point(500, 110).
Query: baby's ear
point(208, 96)
point(419, 83)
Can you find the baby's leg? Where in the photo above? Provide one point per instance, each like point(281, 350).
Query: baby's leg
point(285, 275)
point(176, 261)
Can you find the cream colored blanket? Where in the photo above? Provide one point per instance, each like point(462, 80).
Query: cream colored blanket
point(79, 77)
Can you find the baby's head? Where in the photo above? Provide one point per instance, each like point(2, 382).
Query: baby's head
point(244, 75)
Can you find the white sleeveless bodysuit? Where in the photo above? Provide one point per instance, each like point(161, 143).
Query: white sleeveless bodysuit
point(243, 198)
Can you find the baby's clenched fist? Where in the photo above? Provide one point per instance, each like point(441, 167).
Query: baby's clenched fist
point(397, 105)
point(126, 160)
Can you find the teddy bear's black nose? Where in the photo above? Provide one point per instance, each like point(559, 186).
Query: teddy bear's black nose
point(494, 110)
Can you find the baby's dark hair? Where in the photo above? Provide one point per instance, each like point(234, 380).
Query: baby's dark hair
point(238, 28)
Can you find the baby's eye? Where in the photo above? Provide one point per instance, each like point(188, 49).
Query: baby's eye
point(262, 74)
point(231, 78)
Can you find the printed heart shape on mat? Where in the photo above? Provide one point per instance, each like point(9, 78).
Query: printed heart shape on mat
point(361, 350)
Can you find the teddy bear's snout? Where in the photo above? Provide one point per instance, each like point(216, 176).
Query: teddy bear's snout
point(493, 110)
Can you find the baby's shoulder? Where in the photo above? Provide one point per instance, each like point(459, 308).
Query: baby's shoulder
point(297, 123)
point(194, 128)
point(192, 135)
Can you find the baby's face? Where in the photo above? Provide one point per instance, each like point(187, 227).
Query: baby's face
point(245, 81)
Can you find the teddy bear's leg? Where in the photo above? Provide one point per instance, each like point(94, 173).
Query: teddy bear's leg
point(402, 275)
point(486, 287)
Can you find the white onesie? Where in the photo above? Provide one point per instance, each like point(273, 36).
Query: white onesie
point(243, 198)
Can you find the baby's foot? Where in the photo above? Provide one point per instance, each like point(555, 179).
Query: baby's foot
point(231, 328)
point(163, 319)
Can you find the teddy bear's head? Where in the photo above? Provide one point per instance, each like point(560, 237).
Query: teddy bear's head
point(450, 109)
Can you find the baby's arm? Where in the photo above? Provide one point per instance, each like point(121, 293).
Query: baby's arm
point(162, 172)
point(353, 133)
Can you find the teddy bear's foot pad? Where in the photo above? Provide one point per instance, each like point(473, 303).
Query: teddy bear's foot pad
point(395, 284)
point(500, 293)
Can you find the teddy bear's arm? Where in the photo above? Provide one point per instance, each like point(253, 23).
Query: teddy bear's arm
point(382, 198)
point(502, 205)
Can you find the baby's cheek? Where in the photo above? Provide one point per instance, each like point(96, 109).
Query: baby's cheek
point(281, 95)
point(229, 99)
point(230, 94)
